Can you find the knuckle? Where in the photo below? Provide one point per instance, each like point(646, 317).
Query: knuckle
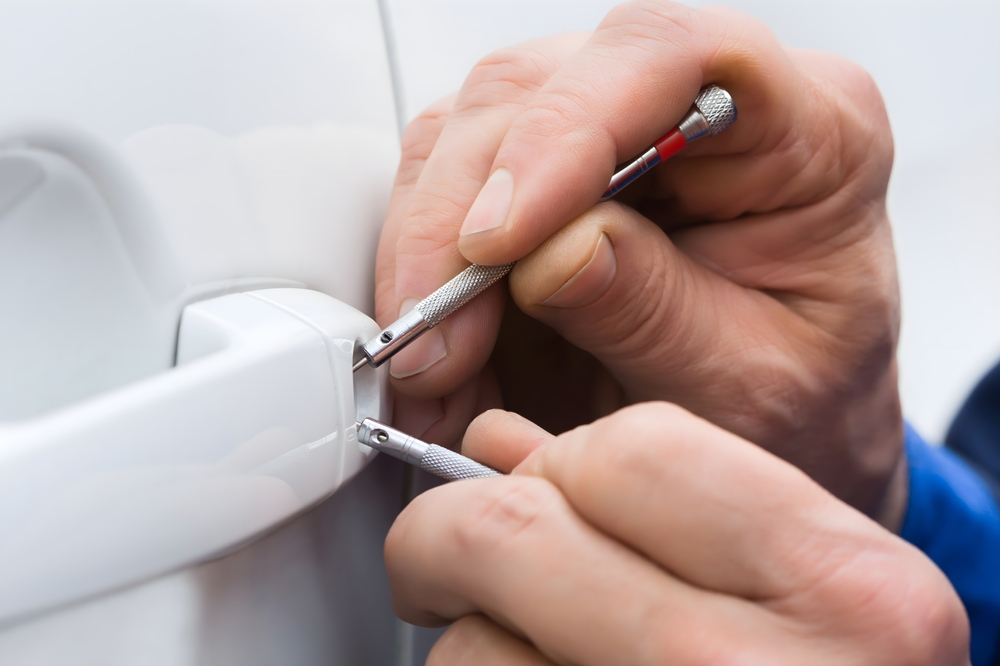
point(888, 601)
point(866, 113)
point(857, 82)
point(635, 32)
point(505, 512)
point(432, 217)
point(423, 131)
point(552, 115)
point(655, 434)
point(931, 627)
point(850, 133)
point(654, 416)
point(665, 20)
point(742, 32)
point(507, 76)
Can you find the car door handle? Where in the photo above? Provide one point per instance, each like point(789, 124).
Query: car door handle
point(254, 424)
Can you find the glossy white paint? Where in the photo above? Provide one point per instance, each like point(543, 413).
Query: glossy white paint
point(89, 291)
point(255, 424)
point(303, 203)
point(261, 137)
point(119, 67)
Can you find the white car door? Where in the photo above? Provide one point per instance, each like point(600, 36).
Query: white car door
point(190, 197)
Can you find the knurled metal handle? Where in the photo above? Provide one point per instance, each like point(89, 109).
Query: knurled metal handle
point(430, 312)
point(458, 291)
point(453, 466)
point(718, 108)
point(428, 457)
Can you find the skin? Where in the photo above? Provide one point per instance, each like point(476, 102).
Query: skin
point(655, 537)
point(752, 277)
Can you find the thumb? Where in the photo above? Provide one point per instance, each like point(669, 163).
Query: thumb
point(668, 328)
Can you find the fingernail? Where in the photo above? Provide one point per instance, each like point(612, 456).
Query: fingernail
point(532, 465)
point(590, 282)
point(490, 208)
point(420, 354)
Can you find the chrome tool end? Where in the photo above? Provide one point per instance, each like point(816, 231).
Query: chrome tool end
point(714, 111)
point(431, 311)
point(429, 457)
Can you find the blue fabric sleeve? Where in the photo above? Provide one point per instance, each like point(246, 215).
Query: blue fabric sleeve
point(975, 432)
point(953, 517)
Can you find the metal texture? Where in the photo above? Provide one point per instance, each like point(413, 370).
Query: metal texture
point(718, 108)
point(392, 338)
point(430, 312)
point(458, 291)
point(623, 178)
point(429, 457)
point(453, 466)
point(694, 125)
point(395, 443)
point(713, 111)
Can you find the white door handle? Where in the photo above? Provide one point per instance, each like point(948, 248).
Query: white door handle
point(255, 424)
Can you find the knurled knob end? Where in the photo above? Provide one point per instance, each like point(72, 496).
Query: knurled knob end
point(718, 108)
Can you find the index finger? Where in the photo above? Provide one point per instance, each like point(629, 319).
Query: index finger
point(418, 247)
point(716, 511)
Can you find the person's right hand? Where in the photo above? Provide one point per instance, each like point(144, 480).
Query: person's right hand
point(750, 279)
point(653, 537)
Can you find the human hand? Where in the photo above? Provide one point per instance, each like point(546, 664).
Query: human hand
point(750, 279)
point(654, 537)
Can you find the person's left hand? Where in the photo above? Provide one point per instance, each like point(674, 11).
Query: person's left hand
point(654, 537)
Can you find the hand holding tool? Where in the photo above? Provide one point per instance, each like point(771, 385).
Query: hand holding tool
point(712, 112)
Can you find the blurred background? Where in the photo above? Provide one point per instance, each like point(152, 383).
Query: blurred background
point(937, 64)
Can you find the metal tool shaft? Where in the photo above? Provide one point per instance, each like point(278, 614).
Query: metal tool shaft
point(713, 111)
point(430, 312)
point(429, 457)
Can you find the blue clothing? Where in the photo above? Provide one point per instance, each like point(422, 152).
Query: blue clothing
point(953, 514)
point(975, 434)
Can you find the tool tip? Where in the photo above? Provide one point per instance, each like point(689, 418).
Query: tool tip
point(360, 364)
